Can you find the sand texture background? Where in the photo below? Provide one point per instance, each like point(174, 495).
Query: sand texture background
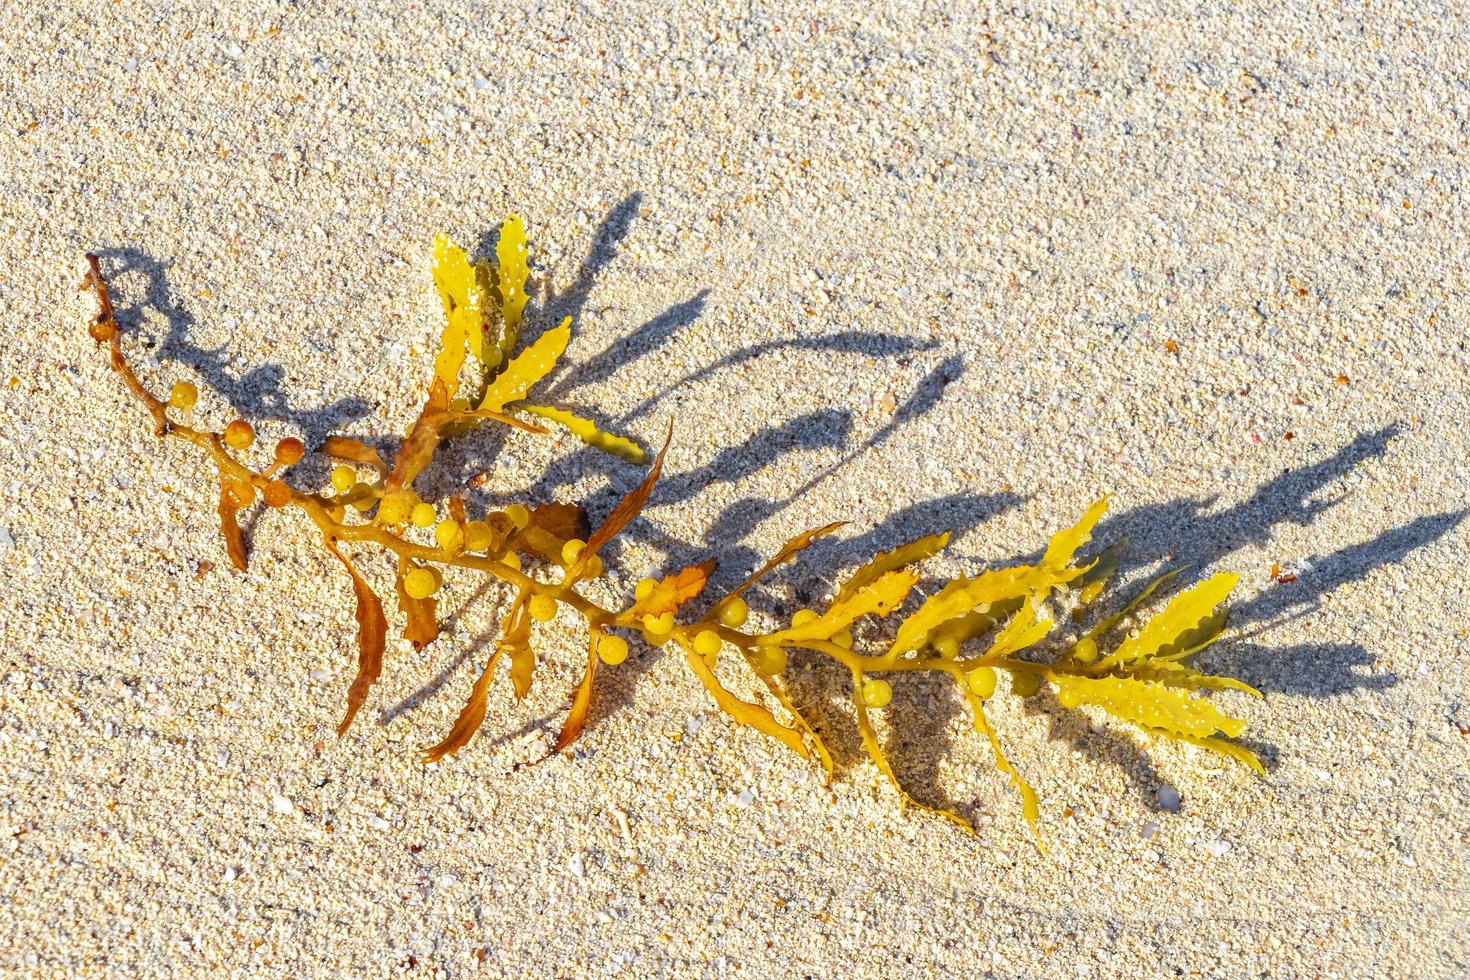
point(918, 267)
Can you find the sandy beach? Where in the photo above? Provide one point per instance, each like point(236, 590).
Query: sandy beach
point(918, 268)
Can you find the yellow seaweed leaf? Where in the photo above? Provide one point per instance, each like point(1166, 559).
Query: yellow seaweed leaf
point(1030, 807)
point(879, 597)
point(962, 597)
point(874, 748)
point(968, 595)
point(1024, 630)
point(789, 550)
point(1175, 674)
point(1108, 622)
point(1184, 613)
point(887, 561)
point(1064, 544)
point(511, 254)
point(671, 592)
point(588, 432)
point(756, 716)
point(527, 368)
point(782, 693)
point(1091, 584)
point(461, 288)
point(972, 624)
point(1231, 750)
point(1148, 704)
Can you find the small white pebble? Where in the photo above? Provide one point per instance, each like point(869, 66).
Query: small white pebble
point(318, 674)
point(577, 864)
point(1168, 798)
point(1218, 847)
point(377, 823)
point(231, 873)
point(281, 804)
point(745, 799)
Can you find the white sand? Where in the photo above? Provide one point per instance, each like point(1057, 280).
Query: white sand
point(814, 211)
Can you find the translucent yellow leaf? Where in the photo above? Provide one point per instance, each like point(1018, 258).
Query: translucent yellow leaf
point(1091, 584)
point(965, 596)
point(1064, 544)
point(756, 716)
point(527, 368)
point(1192, 641)
point(1231, 750)
point(510, 253)
point(1024, 630)
point(1148, 704)
point(1030, 808)
point(1108, 622)
point(461, 289)
point(879, 597)
point(1174, 674)
point(588, 432)
point(974, 623)
point(887, 561)
point(962, 597)
point(1184, 613)
point(874, 748)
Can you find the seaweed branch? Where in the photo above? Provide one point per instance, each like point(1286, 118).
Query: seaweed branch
point(974, 629)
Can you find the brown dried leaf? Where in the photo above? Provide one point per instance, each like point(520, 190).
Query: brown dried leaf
point(517, 644)
point(472, 715)
point(571, 729)
point(550, 527)
point(423, 624)
point(372, 640)
point(230, 530)
point(674, 590)
point(418, 448)
point(353, 450)
point(629, 506)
